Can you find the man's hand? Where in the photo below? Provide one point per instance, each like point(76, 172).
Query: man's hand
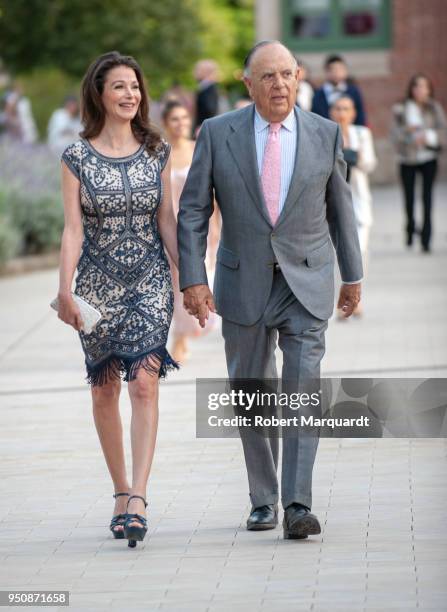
point(198, 301)
point(349, 298)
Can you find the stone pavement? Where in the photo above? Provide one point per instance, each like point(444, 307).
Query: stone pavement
point(381, 503)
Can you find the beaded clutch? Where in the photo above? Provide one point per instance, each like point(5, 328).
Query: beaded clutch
point(89, 314)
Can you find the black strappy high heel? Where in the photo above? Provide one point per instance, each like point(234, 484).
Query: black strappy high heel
point(135, 533)
point(118, 519)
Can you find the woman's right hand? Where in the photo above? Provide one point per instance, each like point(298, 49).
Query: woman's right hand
point(68, 311)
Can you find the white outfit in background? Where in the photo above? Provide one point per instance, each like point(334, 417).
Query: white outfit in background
point(63, 130)
point(360, 140)
point(414, 118)
point(26, 119)
point(305, 95)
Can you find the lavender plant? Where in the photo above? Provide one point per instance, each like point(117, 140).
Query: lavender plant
point(31, 209)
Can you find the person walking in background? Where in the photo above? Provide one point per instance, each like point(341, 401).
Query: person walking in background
point(206, 73)
point(118, 219)
point(64, 125)
point(178, 93)
point(177, 123)
point(359, 154)
point(336, 84)
point(17, 116)
point(305, 89)
point(419, 134)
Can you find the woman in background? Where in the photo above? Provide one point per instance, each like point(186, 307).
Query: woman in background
point(305, 90)
point(418, 133)
point(177, 123)
point(358, 150)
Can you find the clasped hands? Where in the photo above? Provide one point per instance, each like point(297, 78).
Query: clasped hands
point(198, 301)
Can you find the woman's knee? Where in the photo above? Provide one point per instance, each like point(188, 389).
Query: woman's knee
point(107, 393)
point(144, 387)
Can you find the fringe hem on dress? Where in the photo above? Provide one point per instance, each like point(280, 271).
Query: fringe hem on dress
point(157, 361)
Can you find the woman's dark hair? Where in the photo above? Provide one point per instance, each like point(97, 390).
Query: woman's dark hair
point(92, 108)
point(413, 81)
point(169, 107)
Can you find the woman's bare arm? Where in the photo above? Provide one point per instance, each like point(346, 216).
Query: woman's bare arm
point(72, 238)
point(167, 224)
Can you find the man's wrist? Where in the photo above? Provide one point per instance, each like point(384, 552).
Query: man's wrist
point(352, 282)
point(195, 285)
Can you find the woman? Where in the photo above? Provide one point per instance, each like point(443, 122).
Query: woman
point(418, 133)
point(305, 90)
point(118, 218)
point(177, 124)
point(358, 150)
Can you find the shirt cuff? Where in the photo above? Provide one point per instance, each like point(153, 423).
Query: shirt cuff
point(352, 282)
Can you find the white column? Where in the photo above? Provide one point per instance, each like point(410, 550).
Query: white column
point(268, 19)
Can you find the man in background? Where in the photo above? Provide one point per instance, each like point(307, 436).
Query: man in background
point(337, 83)
point(64, 125)
point(207, 98)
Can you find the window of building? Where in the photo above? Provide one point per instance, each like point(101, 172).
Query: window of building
point(318, 25)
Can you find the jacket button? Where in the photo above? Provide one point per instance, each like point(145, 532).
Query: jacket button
point(272, 234)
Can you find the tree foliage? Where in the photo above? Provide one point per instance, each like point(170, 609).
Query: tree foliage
point(228, 32)
point(68, 34)
point(166, 36)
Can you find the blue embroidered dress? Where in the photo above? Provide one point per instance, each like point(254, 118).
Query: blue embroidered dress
point(123, 269)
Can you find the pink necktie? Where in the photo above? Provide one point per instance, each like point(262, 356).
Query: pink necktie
point(271, 172)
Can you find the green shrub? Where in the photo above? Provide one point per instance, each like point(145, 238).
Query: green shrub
point(30, 199)
point(10, 237)
point(10, 240)
point(40, 222)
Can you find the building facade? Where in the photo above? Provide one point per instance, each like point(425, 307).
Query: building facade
point(384, 43)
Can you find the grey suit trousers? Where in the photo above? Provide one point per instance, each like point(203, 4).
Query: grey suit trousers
point(250, 353)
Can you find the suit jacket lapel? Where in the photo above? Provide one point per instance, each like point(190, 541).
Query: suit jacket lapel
point(305, 160)
point(241, 142)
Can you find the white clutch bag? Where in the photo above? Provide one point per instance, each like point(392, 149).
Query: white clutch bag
point(89, 314)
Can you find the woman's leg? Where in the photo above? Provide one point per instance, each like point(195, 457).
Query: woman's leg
point(108, 424)
point(428, 171)
point(143, 393)
point(180, 348)
point(407, 175)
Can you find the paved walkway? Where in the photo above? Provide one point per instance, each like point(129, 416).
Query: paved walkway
point(382, 503)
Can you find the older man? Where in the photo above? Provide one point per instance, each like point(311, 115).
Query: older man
point(278, 175)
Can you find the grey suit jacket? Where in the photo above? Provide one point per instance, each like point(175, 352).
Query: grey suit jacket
point(318, 208)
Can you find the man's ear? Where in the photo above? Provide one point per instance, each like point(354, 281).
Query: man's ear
point(247, 82)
